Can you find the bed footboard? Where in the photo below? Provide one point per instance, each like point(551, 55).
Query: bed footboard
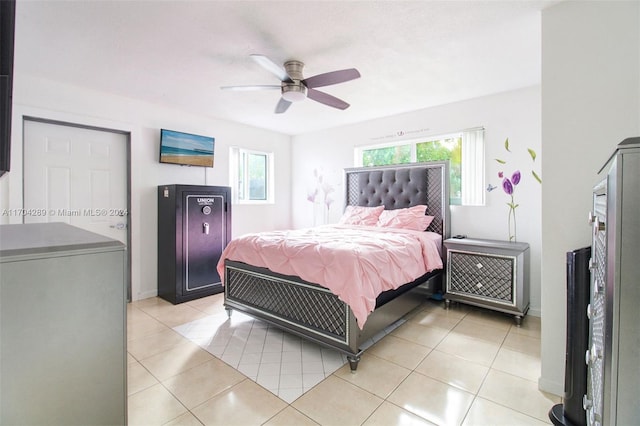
point(312, 311)
point(298, 306)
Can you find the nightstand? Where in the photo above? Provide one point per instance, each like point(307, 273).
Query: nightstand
point(488, 273)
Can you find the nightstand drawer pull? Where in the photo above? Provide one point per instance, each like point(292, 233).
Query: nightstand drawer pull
point(479, 266)
point(479, 285)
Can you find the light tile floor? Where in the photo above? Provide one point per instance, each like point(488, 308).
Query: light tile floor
point(463, 366)
point(283, 363)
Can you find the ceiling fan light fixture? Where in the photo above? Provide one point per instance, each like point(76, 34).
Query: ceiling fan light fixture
point(293, 92)
point(295, 88)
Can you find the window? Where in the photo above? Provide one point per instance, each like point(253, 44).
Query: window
point(464, 150)
point(251, 176)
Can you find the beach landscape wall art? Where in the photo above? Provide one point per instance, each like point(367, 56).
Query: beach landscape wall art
point(186, 149)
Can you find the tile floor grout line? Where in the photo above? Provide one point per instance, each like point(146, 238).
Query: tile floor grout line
point(449, 331)
point(477, 395)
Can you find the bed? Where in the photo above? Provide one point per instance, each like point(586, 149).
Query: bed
point(313, 311)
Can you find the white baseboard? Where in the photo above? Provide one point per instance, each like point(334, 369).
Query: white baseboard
point(551, 386)
point(145, 295)
point(534, 312)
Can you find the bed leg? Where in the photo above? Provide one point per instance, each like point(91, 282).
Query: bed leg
point(518, 319)
point(447, 303)
point(229, 312)
point(353, 362)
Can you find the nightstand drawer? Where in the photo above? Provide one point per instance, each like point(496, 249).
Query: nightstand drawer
point(482, 275)
point(483, 265)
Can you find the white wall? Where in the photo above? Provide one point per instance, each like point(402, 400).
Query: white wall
point(514, 115)
point(55, 101)
point(590, 102)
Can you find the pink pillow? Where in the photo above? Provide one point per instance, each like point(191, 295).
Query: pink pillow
point(358, 215)
point(412, 218)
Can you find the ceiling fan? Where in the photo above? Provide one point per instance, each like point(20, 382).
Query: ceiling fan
point(294, 87)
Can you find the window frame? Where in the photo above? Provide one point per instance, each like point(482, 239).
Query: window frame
point(237, 182)
point(414, 142)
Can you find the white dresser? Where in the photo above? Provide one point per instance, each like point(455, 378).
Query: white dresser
point(63, 327)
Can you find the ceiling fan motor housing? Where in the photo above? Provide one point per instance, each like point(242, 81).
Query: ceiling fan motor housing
point(294, 90)
point(294, 70)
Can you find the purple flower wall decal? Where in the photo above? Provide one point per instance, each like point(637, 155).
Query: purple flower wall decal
point(515, 178)
point(509, 187)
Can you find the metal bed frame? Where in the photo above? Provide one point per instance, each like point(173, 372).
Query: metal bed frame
point(314, 312)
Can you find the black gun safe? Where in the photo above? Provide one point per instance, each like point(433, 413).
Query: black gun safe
point(194, 227)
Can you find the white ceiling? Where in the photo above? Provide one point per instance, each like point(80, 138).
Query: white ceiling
point(411, 55)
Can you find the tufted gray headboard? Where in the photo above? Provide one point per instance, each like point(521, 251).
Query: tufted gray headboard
point(401, 186)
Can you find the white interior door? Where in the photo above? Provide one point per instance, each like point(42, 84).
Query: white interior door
point(76, 175)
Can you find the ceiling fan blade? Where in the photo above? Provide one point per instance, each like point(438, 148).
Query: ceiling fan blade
point(271, 66)
point(329, 78)
point(250, 88)
point(282, 106)
point(327, 99)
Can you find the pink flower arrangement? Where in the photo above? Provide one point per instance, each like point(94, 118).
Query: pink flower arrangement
point(322, 189)
point(321, 185)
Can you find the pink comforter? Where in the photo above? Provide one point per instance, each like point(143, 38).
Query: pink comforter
point(356, 263)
